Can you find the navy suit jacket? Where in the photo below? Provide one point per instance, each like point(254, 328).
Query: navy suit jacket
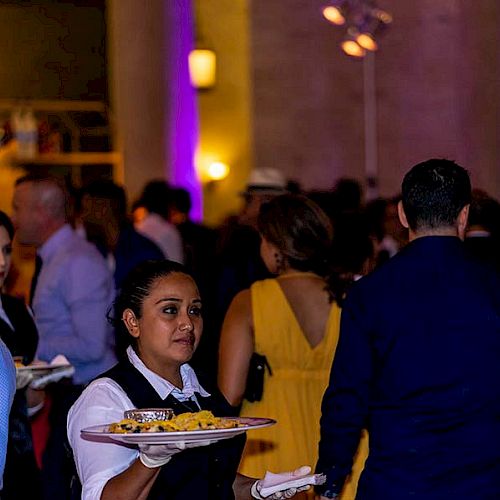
point(418, 365)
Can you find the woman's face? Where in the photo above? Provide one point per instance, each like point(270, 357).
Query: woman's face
point(5, 254)
point(170, 327)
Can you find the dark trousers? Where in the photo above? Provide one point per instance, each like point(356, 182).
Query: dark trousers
point(21, 479)
point(57, 462)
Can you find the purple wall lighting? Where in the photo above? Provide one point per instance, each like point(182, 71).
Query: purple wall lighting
point(181, 103)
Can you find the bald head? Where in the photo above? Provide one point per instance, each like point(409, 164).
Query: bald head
point(50, 196)
point(39, 209)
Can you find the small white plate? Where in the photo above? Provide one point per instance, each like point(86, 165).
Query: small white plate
point(98, 432)
point(42, 369)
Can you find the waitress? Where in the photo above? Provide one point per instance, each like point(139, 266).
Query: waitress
point(159, 311)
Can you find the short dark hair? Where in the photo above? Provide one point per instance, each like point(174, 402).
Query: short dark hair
point(157, 197)
point(181, 200)
point(434, 192)
point(136, 287)
point(7, 224)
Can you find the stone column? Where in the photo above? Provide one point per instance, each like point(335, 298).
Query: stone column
point(137, 87)
point(153, 102)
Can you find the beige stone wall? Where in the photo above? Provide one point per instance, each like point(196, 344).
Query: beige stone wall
point(138, 87)
point(437, 79)
point(225, 111)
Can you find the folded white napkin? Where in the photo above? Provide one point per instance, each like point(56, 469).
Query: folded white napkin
point(273, 483)
point(65, 371)
point(60, 359)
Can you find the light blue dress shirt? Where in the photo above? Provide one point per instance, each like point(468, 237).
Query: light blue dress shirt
point(7, 390)
point(73, 294)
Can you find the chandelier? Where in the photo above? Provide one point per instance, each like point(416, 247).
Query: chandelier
point(364, 22)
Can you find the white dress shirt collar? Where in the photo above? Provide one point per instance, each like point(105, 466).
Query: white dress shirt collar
point(164, 387)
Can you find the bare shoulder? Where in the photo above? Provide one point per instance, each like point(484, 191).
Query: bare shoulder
point(242, 302)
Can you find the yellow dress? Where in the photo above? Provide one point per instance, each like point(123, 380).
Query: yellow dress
point(293, 394)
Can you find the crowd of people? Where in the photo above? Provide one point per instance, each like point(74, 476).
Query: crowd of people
point(400, 295)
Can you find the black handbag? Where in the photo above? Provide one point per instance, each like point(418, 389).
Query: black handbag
point(255, 378)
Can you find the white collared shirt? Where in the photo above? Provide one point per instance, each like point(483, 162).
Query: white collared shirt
point(164, 234)
point(103, 402)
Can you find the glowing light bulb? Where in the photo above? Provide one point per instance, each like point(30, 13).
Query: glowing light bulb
point(333, 15)
point(367, 41)
point(217, 170)
point(351, 48)
point(202, 68)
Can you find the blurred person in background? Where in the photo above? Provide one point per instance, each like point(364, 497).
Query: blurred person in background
point(154, 222)
point(482, 237)
point(389, 236)
point(198, 240)
point(18, 331)
point(72, 290)
point(353, 252)
point(199, 243)
point(240, 263)
point(293, 320)
point(348, 195)
point(103, 215)
point(395, 234)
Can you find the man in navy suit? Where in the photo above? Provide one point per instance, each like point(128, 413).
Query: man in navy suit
point(418, 360)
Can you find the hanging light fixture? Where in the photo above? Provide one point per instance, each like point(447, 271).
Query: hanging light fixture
point(364, 22)
point(376, 20)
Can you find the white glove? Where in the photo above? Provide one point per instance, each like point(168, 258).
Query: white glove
point(285, 484)
point(156, 455)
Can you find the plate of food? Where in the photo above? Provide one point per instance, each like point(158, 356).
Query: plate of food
point(186, 427)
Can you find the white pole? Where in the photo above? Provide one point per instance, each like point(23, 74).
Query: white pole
point(370, 108)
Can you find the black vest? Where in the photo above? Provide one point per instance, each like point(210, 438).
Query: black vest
point(23, 340)
point(205, 473)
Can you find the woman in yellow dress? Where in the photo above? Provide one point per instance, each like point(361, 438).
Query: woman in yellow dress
point(293, 320)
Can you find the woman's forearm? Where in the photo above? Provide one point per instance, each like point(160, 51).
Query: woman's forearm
point(134, 483)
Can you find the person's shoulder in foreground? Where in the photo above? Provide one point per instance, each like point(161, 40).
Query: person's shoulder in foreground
point(7, 390)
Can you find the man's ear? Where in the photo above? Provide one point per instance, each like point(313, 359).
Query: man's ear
point(131, 322)
point(463, 217)
point(402, 215)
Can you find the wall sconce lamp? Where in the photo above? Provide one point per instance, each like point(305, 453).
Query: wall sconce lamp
point(210, 168)
point(217, 171)
point(202, 68)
